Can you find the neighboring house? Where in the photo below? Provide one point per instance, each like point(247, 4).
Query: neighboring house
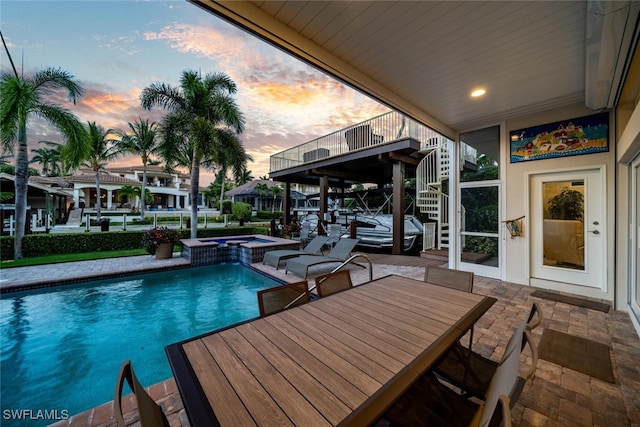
point(169, 190)
point(45, 194)
point(264, 201)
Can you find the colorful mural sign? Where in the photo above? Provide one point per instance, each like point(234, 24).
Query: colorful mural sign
point(582, 135)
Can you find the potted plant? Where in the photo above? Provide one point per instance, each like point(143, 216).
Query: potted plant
point(159, 241)
point(567, 205)
point(291, 230)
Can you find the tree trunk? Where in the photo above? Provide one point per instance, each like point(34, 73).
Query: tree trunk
point(195, 185)
point(22, 188)
point(222, 174)
point(143, 199)
point(98, 211)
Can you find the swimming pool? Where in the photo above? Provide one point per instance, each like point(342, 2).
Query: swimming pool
point(61, 348)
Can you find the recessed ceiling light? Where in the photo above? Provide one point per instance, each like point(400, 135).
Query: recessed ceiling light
point(478, 92)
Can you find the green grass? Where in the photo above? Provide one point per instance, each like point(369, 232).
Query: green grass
point(53, 259)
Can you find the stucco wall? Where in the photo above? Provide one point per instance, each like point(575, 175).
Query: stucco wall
point(516, 191)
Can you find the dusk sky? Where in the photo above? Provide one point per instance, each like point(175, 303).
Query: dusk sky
point(116, 48)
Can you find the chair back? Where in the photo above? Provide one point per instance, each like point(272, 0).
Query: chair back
point(505, 381)
point(315, 245)
point(151, 414)
point(331, 283)
point(280, 297)
point(455, 279)
point(343, 248)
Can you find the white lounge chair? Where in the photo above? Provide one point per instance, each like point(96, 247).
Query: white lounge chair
point(273, 258)
point(340, 252)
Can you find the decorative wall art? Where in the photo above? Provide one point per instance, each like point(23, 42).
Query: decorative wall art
point(582, 135)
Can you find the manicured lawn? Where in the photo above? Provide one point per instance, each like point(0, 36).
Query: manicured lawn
point(52, 259)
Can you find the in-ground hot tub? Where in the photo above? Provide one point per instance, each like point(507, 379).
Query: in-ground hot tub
point(245, 250)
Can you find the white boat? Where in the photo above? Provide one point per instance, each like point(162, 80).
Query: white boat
point(373, 231)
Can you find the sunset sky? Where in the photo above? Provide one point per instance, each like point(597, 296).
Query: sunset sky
point(116, 48)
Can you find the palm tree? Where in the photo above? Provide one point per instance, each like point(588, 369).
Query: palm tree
point(131, 192)
point(199, 110)
point(48, 158)
point(21, 98)
point(102, 149)
point(276, 190)
point(230, 154)
point(141, 140)
point(243, 177)
point(262, 189)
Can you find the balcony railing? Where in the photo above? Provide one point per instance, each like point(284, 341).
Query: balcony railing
point(385, 128)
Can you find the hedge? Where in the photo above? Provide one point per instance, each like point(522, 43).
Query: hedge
point(34, 245)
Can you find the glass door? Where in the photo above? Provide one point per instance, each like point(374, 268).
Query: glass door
point(568, 233)
point(479, 202)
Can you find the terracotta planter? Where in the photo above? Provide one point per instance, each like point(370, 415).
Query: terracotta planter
point(164, 251)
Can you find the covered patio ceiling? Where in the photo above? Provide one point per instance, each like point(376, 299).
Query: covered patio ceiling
point(423, 58)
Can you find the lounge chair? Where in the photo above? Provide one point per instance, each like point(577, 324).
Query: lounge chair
point(273, 258)
point(340, 252)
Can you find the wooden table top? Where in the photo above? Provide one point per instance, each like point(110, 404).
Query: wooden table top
point(336, 361)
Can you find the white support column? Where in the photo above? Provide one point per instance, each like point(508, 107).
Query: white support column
point(109, 197)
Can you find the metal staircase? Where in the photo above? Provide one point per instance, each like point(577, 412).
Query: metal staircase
point(432, 171)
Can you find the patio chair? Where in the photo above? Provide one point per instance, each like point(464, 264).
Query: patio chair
point(273, 258)
point(150, 413)
point(430, 403)
point(340, 252)
point(331, 283)
point(472, 372)
point(454, 279)
point(278, 298)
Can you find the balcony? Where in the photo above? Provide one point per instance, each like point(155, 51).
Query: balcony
point(386, 128)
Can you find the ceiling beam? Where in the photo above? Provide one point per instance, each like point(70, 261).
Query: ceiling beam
point(352, 176)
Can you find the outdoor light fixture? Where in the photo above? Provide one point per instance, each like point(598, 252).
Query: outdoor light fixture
point(478, 92)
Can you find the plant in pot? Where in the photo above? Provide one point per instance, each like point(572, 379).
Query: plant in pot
point(567, 205)
point(159, 241)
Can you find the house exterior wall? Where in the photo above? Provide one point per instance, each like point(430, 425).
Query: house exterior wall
point(516, 195)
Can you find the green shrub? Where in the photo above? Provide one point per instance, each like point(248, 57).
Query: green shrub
point(269, 214)
point(241, 210)
point(34, 245)
point(226, 206)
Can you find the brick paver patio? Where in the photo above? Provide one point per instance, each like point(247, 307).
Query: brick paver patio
point(557, 396)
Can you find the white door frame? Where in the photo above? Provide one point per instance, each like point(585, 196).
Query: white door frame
point(634, 241)
point(557, 285)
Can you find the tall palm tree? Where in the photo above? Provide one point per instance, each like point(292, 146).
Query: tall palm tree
point(262, 189)
point(244, 176)
point(141, 140)
point(276, 190)
point(199, 110)
point(230, 155)
point(103, 147)
point(48, 158)
point(21, 98)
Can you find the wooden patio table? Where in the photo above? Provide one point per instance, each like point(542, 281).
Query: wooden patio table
point(337, 361)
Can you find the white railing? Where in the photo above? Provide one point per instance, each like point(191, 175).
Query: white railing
point(387, 127)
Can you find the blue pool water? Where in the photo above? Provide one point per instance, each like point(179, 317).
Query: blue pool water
point(61, 349)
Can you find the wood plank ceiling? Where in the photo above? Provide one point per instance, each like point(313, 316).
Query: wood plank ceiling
point(529, 56)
